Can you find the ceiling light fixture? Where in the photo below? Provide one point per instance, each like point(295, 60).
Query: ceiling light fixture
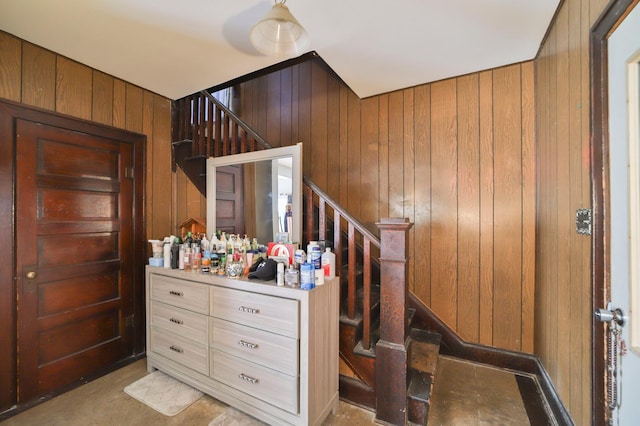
point(279, 34)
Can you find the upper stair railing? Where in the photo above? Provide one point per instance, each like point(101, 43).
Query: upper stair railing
point(212, 127)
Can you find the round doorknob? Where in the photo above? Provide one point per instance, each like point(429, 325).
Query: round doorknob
point(31, 275)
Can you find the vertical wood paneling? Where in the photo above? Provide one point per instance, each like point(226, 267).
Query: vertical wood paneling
point(133, 108)
point(564, 218)
point(422, 224)
point(563, 298)
point(354, 164)
point(10, 67)
point(273, 126)
point(408, 202)
point(344, 145)
point(119, 104)
point(468, 207)
point(577, 270)
point(333, 138)
point(444, 201)
point(304, 114)
point(38, 77)
point(485, 95)
point(285, 124)
point(383, 156)
point(369, 155)
point(508, 200)
point(528, 206)
point(73, 88)
point(319, 125)
point(396, 154)
point(102, 99)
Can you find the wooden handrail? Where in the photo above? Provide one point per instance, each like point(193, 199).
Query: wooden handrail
point(237, 120)
point(357, 237)
point(213, 129)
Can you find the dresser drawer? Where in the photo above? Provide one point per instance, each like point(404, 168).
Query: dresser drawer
point(259, 346)
point(181, 350)
point(268, 313)
point(263, 383)
point(180, 321)
point(180, 293)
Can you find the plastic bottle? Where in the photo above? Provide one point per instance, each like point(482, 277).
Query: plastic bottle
point(307, 276)
point(329, 263)
point(166, 251)
point(181, 257)
point(315, 256)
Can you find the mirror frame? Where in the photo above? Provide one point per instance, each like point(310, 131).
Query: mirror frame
point(293, 151)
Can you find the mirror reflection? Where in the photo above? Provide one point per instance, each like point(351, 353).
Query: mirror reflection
point(258, 194)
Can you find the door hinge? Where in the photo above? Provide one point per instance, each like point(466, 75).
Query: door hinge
point(583, 221)
point(128, 172)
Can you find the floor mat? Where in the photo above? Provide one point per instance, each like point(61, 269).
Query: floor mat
point(232, 417)
point(163, 393)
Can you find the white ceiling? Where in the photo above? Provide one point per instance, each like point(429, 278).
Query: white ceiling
point(178, 47)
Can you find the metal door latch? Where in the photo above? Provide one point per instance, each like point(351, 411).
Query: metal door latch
point(608, 315)
point(583, 221)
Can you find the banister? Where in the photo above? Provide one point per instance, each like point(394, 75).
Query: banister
point(237, 120)
point(343, 213)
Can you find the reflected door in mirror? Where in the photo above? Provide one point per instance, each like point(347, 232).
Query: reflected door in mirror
point(230, 200)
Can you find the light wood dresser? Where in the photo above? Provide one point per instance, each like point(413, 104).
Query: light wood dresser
point(269, 351)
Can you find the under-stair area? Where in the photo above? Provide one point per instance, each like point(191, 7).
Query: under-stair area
point(397, 358)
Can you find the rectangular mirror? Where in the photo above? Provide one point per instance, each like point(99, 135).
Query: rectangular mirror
point(256, 193)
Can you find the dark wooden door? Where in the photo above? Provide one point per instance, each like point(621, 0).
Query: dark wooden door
point(230, 209)
point(74, 256)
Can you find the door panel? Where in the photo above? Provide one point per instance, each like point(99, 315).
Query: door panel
point(74, 243)
point(229, 200)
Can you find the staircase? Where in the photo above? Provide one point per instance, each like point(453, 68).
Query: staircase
point(203, 127)
point(362, 322)
point(389, 340)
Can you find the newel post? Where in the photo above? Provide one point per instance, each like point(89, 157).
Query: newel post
point(391, 353)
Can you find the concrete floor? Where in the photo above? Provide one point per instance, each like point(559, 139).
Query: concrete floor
point(464, 394)
point(103, 402)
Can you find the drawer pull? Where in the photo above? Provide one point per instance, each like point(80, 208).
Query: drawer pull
point(176, 349)
point(176, 321)
point(176, 293)
point(249, 379)
point(248, 344)
point(248, 310)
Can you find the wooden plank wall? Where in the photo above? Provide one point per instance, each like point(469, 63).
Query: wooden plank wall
point(38, 77)
point(563, 268)
point(456, 157)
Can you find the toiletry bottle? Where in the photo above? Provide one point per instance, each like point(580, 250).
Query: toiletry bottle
point(181, 257)
point(166, 251)
point(329, 263)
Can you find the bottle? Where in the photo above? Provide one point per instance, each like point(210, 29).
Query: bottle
point(205, 266)
point(291, 277)
point(175, 253)
point(181, 258)
point(329, 263)
point(280, 274)
point(315, 256)
point(166, 251)
point(307, 276)
point(187, 257)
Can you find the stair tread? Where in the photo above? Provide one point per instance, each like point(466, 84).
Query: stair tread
point(424, 351)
